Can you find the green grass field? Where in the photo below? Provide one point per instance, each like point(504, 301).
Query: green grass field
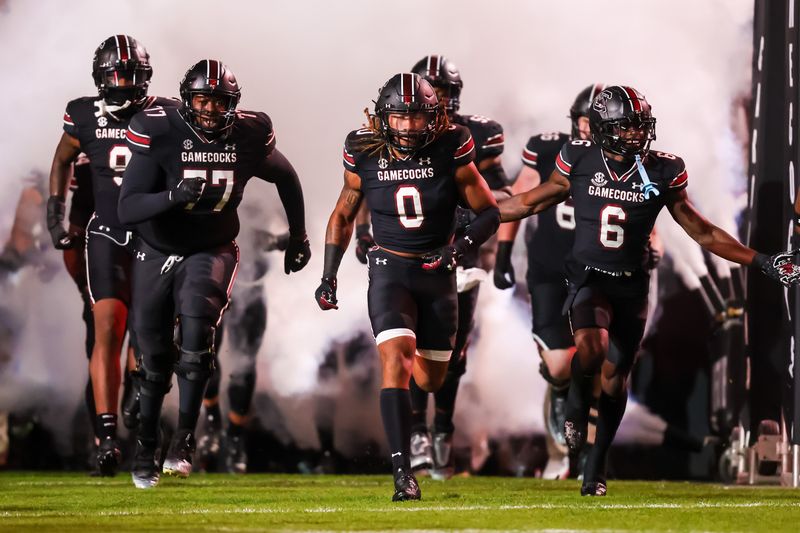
point(295, 502)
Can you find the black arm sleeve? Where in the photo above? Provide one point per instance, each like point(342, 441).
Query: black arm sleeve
point(479, 230)
point(280, 171)
point(137, 200)
point(333, 258)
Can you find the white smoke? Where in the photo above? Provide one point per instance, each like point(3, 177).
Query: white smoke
point(314, 65)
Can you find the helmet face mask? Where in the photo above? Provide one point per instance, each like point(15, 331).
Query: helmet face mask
point(445, 77)
point(408, 101)
point(121, 71)
point(210, 94)
point(621, 122)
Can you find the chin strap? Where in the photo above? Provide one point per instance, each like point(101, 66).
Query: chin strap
point(647, 185)
point(104, 108)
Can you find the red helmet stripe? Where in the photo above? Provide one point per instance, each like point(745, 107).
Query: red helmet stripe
point(433, 66)
point(407, 88)
point(123, 48)
point(637, 105)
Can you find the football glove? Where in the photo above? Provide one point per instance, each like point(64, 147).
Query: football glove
point(187, 191)
point(326, 294)
point(364, 242)
point(297, 254)
point(779, 267)
point(503, 269)
point(445, 259)
point(55, 218)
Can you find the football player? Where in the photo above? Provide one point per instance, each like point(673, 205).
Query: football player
point(182, 188)
point(412, 167)
point(433, 450)
point(554, 232)
point(618, 186)
point(96, 126)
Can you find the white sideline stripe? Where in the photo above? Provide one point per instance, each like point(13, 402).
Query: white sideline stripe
point(436, 508)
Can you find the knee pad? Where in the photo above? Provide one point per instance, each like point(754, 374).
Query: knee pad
point(194, 334)
point(155, 374)
point(195, 366)
point(558, 384)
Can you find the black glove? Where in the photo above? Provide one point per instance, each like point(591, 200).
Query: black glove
point(326, 294)
point(298, 252)
point(779, 267)
point(464, 217)
point(55, 217)
point(503, 269)
point(364, 242)
point(187, 191)
point(445, 259)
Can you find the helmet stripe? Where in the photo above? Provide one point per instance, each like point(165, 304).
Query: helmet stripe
point(407, 88)
point(637, 106)
point(122, 51)
point(433, 66)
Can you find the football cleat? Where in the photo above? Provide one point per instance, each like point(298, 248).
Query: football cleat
point(443, 461)
point(108, 457)
point(179, 457)
point(594, 488)
point(208, 446)
point(144, 470)
point(421, 451)
point(405, 486)
point(235, 454)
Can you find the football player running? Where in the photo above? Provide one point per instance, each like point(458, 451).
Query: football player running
point(554, 232)
point(96, 126)
point(618, 186)
point(182, 188)
point(412, 167)
point(433, 450)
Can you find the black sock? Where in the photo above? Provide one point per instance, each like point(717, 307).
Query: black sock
point(580, 395)
point(106, 425)
point(214, 414)
point(89, 398)
point(396, 415)
point(240, 392)
point(419, 407)
point(190, 399)
point(609, 416)
point(445, 403)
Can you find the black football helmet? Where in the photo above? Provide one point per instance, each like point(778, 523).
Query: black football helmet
point(405, 94)
point(210, 77)
point(580, 107)
point(121, 57)
point(442, 74)
point(616, 111)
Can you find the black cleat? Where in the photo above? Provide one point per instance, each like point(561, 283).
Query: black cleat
point(405, 486)
point(144, 470)
point(108, 457)
point(593, 488)
point(209, 445)
point(235, 454)
point(179, 457)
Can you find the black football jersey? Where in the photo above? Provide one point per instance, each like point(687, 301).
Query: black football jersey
point(102, 139)
point(613, 220)
point(81, 205)
point(554, 229)
point(226, 164)
point(488, 137)
point(412, 201)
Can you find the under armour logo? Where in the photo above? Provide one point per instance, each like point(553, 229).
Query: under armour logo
point(188, 144)
point(299, 258)
point(424, 160)
point(381, 261)
point(383, 163)
point(230, 147)
point(638, 186)
point(397, 454)
point(140, 256)
point(468, 239)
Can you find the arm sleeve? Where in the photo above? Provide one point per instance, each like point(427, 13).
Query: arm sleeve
point(530, 154)
point(465, 148)
point(139, 199)
point(681, 179)
point(279, 170)
point(69, 123)
point(564, 160)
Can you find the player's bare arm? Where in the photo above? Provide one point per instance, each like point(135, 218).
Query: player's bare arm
point(536, 200)
point(527, 179)
point(337, 237)
point(66, 152)
point(474, 189)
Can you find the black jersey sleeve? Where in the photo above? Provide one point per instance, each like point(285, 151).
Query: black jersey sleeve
point(280, 171)
point(69, 123)
point(353, 145)
point(541, 148)
point(260, 126)
point(674, 171)
point(464, 152)
point(138, 135)
point(569, 154)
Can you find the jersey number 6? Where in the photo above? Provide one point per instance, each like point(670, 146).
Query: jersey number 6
point(612, 235)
